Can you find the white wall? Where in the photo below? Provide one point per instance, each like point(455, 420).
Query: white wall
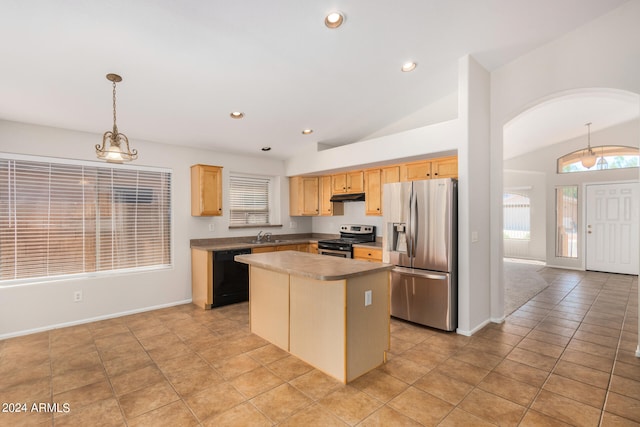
point(31, 307)
point(604, 53)
point(544, 162)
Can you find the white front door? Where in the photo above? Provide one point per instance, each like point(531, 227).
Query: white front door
point(612, 227)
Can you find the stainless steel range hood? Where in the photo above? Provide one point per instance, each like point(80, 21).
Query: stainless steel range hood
point(355, 197)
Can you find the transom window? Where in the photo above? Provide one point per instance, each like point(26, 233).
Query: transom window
point(63, 217)
point(608, 157)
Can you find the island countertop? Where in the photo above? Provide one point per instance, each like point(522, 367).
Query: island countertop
point(319, 267)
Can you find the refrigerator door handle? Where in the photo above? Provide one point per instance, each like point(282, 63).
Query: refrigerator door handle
point(418, 273)
point(414, 223)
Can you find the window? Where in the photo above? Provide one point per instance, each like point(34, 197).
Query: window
point(517, 216)
point(249, 200)
point(567, 221)
point(62, 217)
point(609, 157)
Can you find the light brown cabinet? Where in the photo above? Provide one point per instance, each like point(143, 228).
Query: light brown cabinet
point(349, 182)
point(444, 167)
point(206, 190)
point(303, 196)
point(373, 192)
point(367, 254)
point(327, 208)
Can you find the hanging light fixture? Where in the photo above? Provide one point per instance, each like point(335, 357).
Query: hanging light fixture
point(588, 158)
point(115, 145)
point(602, 162)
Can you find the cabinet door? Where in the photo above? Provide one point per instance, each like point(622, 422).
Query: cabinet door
point(303, 196)
point(415, 171)
point(373, 191)
point(355, 182)
point(327, 208)
point(206, 190)
point(446, 167)
point(339, 183)
point(390, 174)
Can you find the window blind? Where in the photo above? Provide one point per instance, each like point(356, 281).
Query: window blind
point(59, 219)
point(248, 200)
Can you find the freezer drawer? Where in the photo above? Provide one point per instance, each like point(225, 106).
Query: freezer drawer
point(427, 298)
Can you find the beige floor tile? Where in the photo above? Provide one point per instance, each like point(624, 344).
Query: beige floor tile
point(549, 338)
point(612, 420)
point(478, 359)
point(77, 378)
point(508, 388)
point(566, 410)
point(443, 387)
point(313, 415)
point(623, 406)
point(255, 382)
point(492, 408)
point(147, 399)
point(289, 367)
point(386, 416)
point(484, 345)
point(581, 373)
point(214, 400)
point(590, 360)
point(405, 370)
point(380, 385)
point(536, 419)
point(172, 415)
point(190, 381)
point(83, 396)
point(350, 404)
point(137, 379)
point(268, 354)
point(541, 347)
point(421, 406)
point(244, 414)
point(535, 360)
point(459, 417)
point(107, 411)
point(316, 384)
point(236, 365)
point(591, 348)
point(127, 363)
point(281, 402)
point(625, 386)
point(627, 370)
point(576, 390)
point(462, 371)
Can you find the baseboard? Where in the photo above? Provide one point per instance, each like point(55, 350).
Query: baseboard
point(91, 319)
point(474, 330)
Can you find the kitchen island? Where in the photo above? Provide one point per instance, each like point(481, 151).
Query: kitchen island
point(333, 313)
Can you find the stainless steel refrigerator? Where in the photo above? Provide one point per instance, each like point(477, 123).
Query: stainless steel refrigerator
point(420, 238)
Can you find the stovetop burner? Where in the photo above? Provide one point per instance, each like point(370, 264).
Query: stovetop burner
point(349, 235)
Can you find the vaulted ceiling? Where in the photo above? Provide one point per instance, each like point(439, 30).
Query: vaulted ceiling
point(186, 65)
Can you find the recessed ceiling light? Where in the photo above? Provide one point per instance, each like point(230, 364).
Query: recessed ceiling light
point(307, 131)
point(237, 115)
point(408, 66)
point(334, 19)
point(266, 148)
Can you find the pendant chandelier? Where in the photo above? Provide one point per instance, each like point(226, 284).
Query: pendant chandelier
point(115, 145)
point(588, 158)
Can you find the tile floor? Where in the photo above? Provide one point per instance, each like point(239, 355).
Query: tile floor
point(567, 357)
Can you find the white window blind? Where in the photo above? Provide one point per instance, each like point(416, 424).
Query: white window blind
point(60, 219)
point(248, 200)
point(516, 215)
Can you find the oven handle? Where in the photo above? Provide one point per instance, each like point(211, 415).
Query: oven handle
point(332, 252)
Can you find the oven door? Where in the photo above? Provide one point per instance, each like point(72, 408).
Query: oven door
point(334, 252)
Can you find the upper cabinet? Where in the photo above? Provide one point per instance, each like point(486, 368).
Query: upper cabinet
point(328, 208)
point(349, 182)
point(374, 179)
point(303, 196)
point(443, 167)
point(206, 190)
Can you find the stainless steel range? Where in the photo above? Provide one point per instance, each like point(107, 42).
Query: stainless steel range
point(349, 234)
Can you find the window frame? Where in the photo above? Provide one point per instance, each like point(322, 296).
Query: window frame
point(606, 150)
point(166, 206)
point(272, 200)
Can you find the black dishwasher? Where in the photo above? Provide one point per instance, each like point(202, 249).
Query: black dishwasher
point(230, 278)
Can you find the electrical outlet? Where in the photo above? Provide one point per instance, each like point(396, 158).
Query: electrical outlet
point(77, 296)
point(212, 227)
point(367, 298)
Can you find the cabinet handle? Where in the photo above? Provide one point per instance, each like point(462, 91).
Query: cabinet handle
point(377, 209)
point(436, 174)
point(428, 174)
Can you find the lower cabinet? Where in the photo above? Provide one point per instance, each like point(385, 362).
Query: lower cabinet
point(367, 254)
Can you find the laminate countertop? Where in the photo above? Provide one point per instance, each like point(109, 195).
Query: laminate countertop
point(319, 267)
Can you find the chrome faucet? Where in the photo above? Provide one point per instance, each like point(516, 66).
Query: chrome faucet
point(259, 236)
point(267, 237)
